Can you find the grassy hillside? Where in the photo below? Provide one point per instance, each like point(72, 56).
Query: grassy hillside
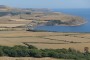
point(40, 14)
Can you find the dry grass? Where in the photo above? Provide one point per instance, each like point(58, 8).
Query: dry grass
point(78, 46)
point(21, 20)
point(11, 25)
point(27, 58)
point(44, 40)
point(70, 38)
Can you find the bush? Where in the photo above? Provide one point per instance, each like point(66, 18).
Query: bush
point(20, 47)
point(35, 53)
point(31, 47)
point(53, 54)
point(31, 51)
point(1, 52)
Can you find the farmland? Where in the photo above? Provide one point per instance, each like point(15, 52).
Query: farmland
point(44, 40)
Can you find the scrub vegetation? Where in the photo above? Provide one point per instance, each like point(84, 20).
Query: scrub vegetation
point(31, 51)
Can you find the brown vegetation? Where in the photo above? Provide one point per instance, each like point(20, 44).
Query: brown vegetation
point(44, 40)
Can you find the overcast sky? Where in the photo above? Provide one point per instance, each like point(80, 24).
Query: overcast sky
point(47, 3)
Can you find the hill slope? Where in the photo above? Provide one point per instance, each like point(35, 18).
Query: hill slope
point(45, 15)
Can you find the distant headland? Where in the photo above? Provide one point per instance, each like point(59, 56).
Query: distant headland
point(43, 16)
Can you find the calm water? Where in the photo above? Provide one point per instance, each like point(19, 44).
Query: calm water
point(85, 13)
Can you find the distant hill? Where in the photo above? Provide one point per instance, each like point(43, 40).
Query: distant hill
point(3, 6)
point(41, 14)
point(5, 10)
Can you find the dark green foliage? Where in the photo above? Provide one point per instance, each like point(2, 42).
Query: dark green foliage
point(1, 52)
point(31, 47)
point(35, 53)
point(31, 51)
point(54, 22)
point(53, 54)
point(19, 47)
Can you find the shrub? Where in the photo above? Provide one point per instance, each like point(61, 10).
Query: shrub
point(31, 51)
point(31, 47)
point(35, 53)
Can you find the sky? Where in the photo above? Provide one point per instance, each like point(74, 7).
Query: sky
point(47, 3)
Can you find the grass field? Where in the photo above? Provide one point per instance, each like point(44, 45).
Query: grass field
point(44, 40)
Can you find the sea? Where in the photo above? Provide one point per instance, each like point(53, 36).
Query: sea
point(85, 28)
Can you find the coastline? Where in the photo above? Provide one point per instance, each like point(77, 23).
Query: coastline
point(55, 24)
point(74, 25)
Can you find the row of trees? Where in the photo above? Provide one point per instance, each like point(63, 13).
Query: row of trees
point(31, 51)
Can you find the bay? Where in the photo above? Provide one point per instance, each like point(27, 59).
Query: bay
point(84, 13)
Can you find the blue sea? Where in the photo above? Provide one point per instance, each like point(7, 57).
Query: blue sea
point(84, 13)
